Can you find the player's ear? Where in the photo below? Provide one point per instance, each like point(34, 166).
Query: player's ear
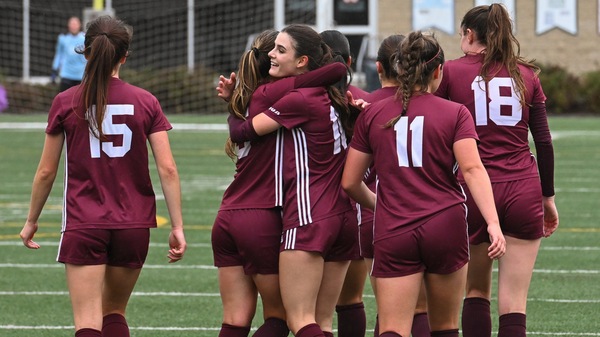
point(379, 67)
point(302, 61)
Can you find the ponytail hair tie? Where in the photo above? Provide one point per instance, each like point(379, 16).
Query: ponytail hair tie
point(256, 52)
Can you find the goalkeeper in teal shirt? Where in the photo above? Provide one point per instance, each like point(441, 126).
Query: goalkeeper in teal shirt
point(68, 64)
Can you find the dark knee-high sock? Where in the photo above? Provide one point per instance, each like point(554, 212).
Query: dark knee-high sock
point(390, 334)
point(311, 330)
point(352, 321)
point(272, 327)
point(228, 330)
point(115, 325)
point(476, 318)
point(87, 332)
point(445, 333)
point(512, 325)
point(420, 325)
point(376, 329)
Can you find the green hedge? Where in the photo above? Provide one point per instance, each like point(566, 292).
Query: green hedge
point(177, 90)
point(182, 92)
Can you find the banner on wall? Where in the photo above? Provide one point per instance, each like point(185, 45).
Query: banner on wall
point(438, 14)
point(552, 14)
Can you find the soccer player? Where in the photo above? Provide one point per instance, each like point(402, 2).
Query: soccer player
point(318, 230)
point(68, 64)
point(246, 234)
point(388, 77)
point(350, 309)
point(109, 203)
point(420, 232)
point(504, 95)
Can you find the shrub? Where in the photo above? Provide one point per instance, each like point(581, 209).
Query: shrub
point(562, 89)
point(177, 90)
point(591, 91)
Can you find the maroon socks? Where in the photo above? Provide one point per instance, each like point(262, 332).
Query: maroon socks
point(390, 334)
point(311, 330)
point(87, 332)
point(445, 333)
point(512, 325)
point(115, 325)
point(476, 318)
point(228, 330)
point(272, 327)
point(420, 326)
point(352, 321)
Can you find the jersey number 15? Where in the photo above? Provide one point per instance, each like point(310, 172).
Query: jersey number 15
point(111, 128)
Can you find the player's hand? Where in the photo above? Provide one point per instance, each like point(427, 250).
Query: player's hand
point(550, 216)
point(359, 104)
point(497, 248)
point(226, 86)
point(177, 245)
point(27, 234)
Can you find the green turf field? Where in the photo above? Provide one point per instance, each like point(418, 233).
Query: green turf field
point(182, 299)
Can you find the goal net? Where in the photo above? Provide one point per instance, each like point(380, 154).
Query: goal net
point(178, 51)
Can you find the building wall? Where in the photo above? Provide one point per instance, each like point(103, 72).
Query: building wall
point(578, 53)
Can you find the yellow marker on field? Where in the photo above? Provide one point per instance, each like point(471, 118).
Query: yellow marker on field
point(161, 221)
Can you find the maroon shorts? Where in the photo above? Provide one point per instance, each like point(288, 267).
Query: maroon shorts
point(334, 237)
point(439, 245)
point(248, 238)
point(114, 247)
point(520, 210)
point(366, 239)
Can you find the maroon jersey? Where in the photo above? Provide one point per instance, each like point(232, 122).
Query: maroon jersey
point(366, 215)
point(258, 181)
point(502, 122)
point(107, 182)
point(314, 152)
point(357, 92)
point(414, 159)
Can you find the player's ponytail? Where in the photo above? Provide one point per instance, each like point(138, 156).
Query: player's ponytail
point(253, 70)
point(420, 56)
point(107, 42)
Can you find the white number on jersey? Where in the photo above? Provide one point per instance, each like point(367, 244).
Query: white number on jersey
point(496, 101)
point(415, 131)
point(110, 128)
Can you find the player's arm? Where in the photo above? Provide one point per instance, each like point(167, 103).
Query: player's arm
point(356, 165)
point(251, 129)
point(287, 112)
point(42, 185)
point(478, 181)
point(169, 180)
point(538, 124)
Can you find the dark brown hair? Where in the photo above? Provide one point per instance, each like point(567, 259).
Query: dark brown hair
point(493, 28)
point(306, 41)
point(420, 56)
point(107, 42)
point(253, 70)
point(387, 55)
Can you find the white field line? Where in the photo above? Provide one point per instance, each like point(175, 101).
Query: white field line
point(174, 328)
point(208, 245)
point(176, 126)
point(184, 294)
point(223, 127)
point(55, 243)
point(159, 266)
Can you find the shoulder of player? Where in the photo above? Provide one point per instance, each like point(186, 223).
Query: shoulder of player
point(133, 90)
